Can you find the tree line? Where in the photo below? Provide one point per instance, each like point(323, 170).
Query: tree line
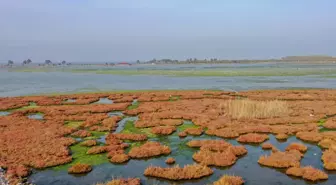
point(46, 62)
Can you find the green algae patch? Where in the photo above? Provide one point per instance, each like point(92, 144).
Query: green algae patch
point(321, 122)
point(98, 134)
point(79, 156)
point(30, 106)
point(129, 128)
point(186, 124)
point(73, 124)
point(134, 105)
point(174, 98)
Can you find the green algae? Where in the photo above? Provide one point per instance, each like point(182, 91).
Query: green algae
point(174, 98)
point(134, 105)
point(186, 124)
point(73, 124)
point(30, 106)
point(79, 156)
point(129, 128)
point(98, 134)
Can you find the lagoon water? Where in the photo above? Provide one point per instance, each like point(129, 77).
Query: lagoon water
point(28, 83)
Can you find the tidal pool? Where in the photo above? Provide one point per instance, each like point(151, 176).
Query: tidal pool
point(104, 101)
point(246, 166)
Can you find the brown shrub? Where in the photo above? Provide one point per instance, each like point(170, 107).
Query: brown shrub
point(252, 138)
point(132, 137)
point(149, 149)
point(130, 181)
point(81, 133)
point(207, 157)
point(308, 173)
point(96, 150)
point(267, 146)
point(309, 136)
point(239, 109)
point(194, 131)
point(281, 136)
point(80, 168)
point(163, 130)
point(229, 180)
point(297, 146)
point(170, 160)
point(329, 159)
point(282, 159)
point(89, 143)
point(177, 173)
point(119, 158)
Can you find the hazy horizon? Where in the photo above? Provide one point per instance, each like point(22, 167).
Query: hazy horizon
point(130, 30)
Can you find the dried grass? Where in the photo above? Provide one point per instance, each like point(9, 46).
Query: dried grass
point(170, 160)
point(308, 173)
point(210, 158)
point(194, 171)
point(282, 159)
point(119, 158)
point(163, 130)
point(229, 180)
point(297, 146)
point(252, 138)
point(80, 168)
point(329, 159)
point(89, 143)
point(255, 109)
point(149, 149)
point(130, 181)
point(309, 136)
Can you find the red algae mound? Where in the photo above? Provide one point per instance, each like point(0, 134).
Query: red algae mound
point(177, 173)
point(307, 173)
point(309, 136)
point(170, 160)
point(229, 180)
point(252, 138)
point(329, 159)
point(80, 168)
point(149, 149)
point(297, 146)
point(130, 181)
point(281, 159)
point(132, 137)
point(163, 130)
point(89, 143)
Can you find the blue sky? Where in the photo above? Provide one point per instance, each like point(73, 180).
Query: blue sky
point(114, 30)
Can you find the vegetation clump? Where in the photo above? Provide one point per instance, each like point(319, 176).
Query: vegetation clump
point(97, 150)
point(170, 160)
point(130, 181)
point(163, 130)
point(297, 146)
point(81, 133)
point(89, 143)
point(309, 136)
point(307, 173)
point(119, 158)
point(149, 149)
point(281, 136)
point(188, 172)
point(327, 143)
point(330, 123)
point(229, 180)
point(267, 146)
point(224, 133)
point(80, 168)
point(252, 138)
point(131, 136)
point(282, 159)
point(329, 159)
point(199, 143)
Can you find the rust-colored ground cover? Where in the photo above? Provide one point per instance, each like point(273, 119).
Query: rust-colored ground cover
point(149, 149)
point(130, 181)
point(163, 130)
point(297, 146)
point(27, 143)
point(80, 168)
point(177, 173)
point(308, 173)
point(229, 180)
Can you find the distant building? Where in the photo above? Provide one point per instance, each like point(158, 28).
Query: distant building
point(124, 63)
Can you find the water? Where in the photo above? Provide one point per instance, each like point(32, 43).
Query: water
point(24, 83)
point(246, 166)
point(104, 101)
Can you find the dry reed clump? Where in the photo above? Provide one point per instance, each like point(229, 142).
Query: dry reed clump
point(250, 109)
point(188, 172)
point(309, 136)
point(182, 134)
point(112, 153)
point(170, 160)
point(119, 158)
point(96, 150)
point(229, 180)
point(329, 159)
point(111, 139)
point(224, 133)
point(17, 171)
point(80, 168)
point(163, 130)
point(89, 143)
point(157, 122)
point(330, 124)
point(194, 131)
point(132, 137)
point(252, 138)
point(297, 146)
point(130, 181)
point(282, 159)
point(267, 146)
point(327, 143)
point(81, 133)
point(281, 136)
point(209, 158)
point(308, 173)
point(149, 149)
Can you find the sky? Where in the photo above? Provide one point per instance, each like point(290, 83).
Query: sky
point(129, 30)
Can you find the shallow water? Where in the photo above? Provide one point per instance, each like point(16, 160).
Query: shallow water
point(26, 83)
point(36, 116)
point(4, 113)
point(104, 101)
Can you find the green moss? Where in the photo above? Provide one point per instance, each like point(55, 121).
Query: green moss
point(321, 122)
point(98, 134)
point(79, 156)
point(30, 106)
point(174, 98)
point(134, 105)
point(130, 128)
point(73, 124)
point(185, 125)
